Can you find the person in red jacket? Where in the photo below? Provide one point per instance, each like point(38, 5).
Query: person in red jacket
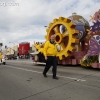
point(50, 52)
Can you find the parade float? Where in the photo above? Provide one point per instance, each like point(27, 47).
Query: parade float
point(92, 57)
point(75, 39)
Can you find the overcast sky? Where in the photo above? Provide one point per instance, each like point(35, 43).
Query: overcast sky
point(24, 20)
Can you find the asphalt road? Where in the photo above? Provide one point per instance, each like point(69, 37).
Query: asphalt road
point(22, 80)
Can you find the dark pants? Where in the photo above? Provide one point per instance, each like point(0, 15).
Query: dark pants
point(51, 61)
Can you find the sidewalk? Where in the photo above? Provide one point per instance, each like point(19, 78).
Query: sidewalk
point(26, 61)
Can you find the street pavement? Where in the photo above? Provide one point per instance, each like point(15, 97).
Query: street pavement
point(22, 80)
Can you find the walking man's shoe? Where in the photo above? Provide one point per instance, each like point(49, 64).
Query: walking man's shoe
point(44, 75)
point(55, 78)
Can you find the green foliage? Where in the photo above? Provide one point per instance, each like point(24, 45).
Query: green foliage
point(86, 26)
point(90, 60)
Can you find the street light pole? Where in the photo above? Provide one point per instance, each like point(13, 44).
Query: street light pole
point(46, 26)
point(12, 42)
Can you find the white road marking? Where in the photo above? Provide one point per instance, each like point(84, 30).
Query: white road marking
point(76, 79)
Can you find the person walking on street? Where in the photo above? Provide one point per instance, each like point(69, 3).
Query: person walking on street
point(50, 52)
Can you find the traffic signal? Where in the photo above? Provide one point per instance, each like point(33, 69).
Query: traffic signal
point(1, 44)
point(5, 46)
